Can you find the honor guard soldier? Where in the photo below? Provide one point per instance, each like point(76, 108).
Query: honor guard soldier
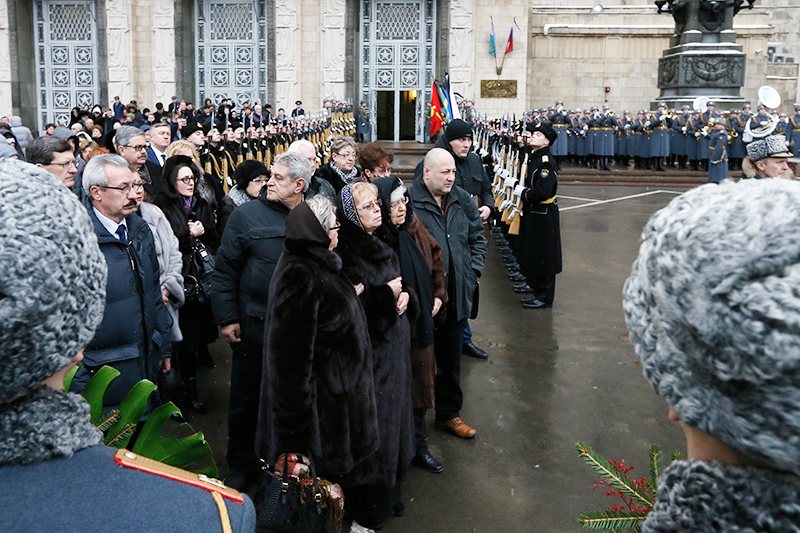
point(659, 138)
point(696, 132)
point(540, 235)
point(560, 122)
point(794, 132)
point(718, 152)
point(642, 129)
point(737, 123)
point(680, 140)
point(626, 135)
point(760, 118)
point(703, 140)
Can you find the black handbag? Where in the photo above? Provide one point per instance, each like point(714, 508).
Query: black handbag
point(197, 283)
point(288, 505)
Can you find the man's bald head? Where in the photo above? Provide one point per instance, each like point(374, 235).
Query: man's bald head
point(439, 172)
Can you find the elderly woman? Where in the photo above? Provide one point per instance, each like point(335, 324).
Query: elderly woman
point(369, 263)
point(341, 170)
point(317, 395)
point(191, 218)
point(249, 178)
point(421, 267)
point(713, 311)
point(375, 162)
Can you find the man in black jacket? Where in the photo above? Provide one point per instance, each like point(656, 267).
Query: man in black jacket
point(134, 336)
point(450, 215)
point(251, 245)
point(471, 177)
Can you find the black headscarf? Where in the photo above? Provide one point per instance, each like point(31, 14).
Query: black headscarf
point(413, 267)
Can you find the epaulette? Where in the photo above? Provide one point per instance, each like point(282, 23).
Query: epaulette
point(129, 459)
point(545, 159)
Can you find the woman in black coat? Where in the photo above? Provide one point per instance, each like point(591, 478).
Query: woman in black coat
point(372, 489)
point(191, 218)
point(341, 170)
point(317, 394)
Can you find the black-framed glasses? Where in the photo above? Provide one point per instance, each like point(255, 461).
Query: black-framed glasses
point(138, 147)
point(190, 179)
point(398, 203)
point(125, 189)
point(372, 205)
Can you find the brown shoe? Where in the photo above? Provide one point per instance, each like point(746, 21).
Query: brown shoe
point(457, 427)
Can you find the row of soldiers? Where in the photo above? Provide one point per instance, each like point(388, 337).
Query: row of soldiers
point(225, 149)
point(652, 139)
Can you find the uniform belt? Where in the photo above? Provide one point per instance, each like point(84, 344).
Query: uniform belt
point(661, 128)
point(795, 129)
point(559, 125)
point(549, 200)
point(607, 129)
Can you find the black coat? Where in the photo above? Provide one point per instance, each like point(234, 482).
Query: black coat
point(459, 230)
point(251, 246)
point(135, 332)
point(317, 393)
point(540, 233)
point(328, 174)
point(470, 174)
point(367, 260)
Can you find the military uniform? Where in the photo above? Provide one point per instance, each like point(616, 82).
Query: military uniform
point(679, 144)
point(794, 134)
point(559, 121)
point(718, 156)
point(659, 139)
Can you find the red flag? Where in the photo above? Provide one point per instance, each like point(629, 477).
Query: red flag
point(436, 111)
point(510, 45)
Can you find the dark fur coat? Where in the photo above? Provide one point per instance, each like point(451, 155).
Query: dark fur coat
point(317, 391)
point(697, 496)
point(367, 260)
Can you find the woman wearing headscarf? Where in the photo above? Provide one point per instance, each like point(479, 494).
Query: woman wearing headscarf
point(372, 489)
point(317, 394)
point(421, 267)
point(341, 170)
point(191, 218)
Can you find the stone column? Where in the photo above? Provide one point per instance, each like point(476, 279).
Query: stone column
point(6, 103)
point(462, 46)
point(333, 51)
point(164, 52)
point(120, 49)
point(287, 55)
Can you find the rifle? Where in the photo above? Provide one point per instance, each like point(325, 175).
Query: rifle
point(516, 213)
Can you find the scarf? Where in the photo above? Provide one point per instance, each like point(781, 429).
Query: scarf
point(238, 196)
point(349, 208)
point(347, 178)
point(712, 496)
point(45, 425)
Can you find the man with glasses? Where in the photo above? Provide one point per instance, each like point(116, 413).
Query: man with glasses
point(130, 143)
point(55, 156)
point(134, 334)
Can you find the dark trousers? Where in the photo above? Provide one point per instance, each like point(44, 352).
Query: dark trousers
point(420, 431)
point(544, 288)
point(447, 347)
point(243, 411)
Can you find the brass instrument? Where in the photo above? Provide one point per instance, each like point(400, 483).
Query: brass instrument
point(772, 100)
point(670, 113)
point(611, 113)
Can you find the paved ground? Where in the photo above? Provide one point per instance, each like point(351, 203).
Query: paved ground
point(554, 377)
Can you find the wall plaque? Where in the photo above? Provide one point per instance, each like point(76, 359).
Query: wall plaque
point(498, 88)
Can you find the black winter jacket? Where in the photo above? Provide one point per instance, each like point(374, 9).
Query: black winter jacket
point(134, 334)
point(251, 245)
point(457, 227)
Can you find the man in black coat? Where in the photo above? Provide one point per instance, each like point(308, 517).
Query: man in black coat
point(134, 336)
point(540, 235)
point(470, 176)
point(450, 215)
point(251, 245)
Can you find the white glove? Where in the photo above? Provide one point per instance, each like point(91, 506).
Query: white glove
point(518, 190)
point(505, 205)
point(683, 129)
point(647, 124)
point(697, 135)
point(627, 126)
point(511, 215)
point(585, 127)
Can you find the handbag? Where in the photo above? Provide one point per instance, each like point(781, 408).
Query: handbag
point(197, 282)
point(476, 298)
point(290, 502)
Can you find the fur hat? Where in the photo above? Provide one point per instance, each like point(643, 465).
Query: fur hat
point(52, 278)
point(772, 146)
point(457, 129)
point(713, 310)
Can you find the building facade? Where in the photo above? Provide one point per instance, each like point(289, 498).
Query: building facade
point(58, 54)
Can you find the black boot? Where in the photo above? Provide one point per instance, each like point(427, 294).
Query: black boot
point(194, 402)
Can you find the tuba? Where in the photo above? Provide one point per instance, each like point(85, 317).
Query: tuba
point(699, 103)
point(770, 98)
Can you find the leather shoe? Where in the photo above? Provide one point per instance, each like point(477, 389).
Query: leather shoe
point(516, 276)
point(523, 288)
point(471, 350)
point(509, 258)
point(533, 303)
point(513, 267)
point(427, 462)
point(457, 427)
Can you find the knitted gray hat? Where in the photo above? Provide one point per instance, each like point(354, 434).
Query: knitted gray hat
point(713, 309)
point(52, 278)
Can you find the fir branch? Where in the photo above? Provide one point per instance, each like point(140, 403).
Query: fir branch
point(656, 466)
point(124, 434)
point(677, 456)
point(601, 466)
point(113, 418)
point(613, 520)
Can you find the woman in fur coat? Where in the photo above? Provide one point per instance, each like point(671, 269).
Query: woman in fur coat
point(372, 489)
point(317, 395)
point(191, 218)
point(421, 267)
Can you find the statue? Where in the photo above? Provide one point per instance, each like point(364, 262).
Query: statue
point(703, 58)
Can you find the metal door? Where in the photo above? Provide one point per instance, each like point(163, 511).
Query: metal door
point(397, 53)
point(231, 50)
point(66, 58)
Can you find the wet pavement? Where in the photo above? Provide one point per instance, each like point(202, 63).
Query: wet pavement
point(554, 377)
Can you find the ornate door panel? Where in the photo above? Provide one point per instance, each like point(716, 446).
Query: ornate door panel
point(231, 50)
point(66, 58)
point(397, 53)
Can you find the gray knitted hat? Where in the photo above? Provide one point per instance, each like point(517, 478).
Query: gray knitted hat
point(713, 309)
point(52, 278)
